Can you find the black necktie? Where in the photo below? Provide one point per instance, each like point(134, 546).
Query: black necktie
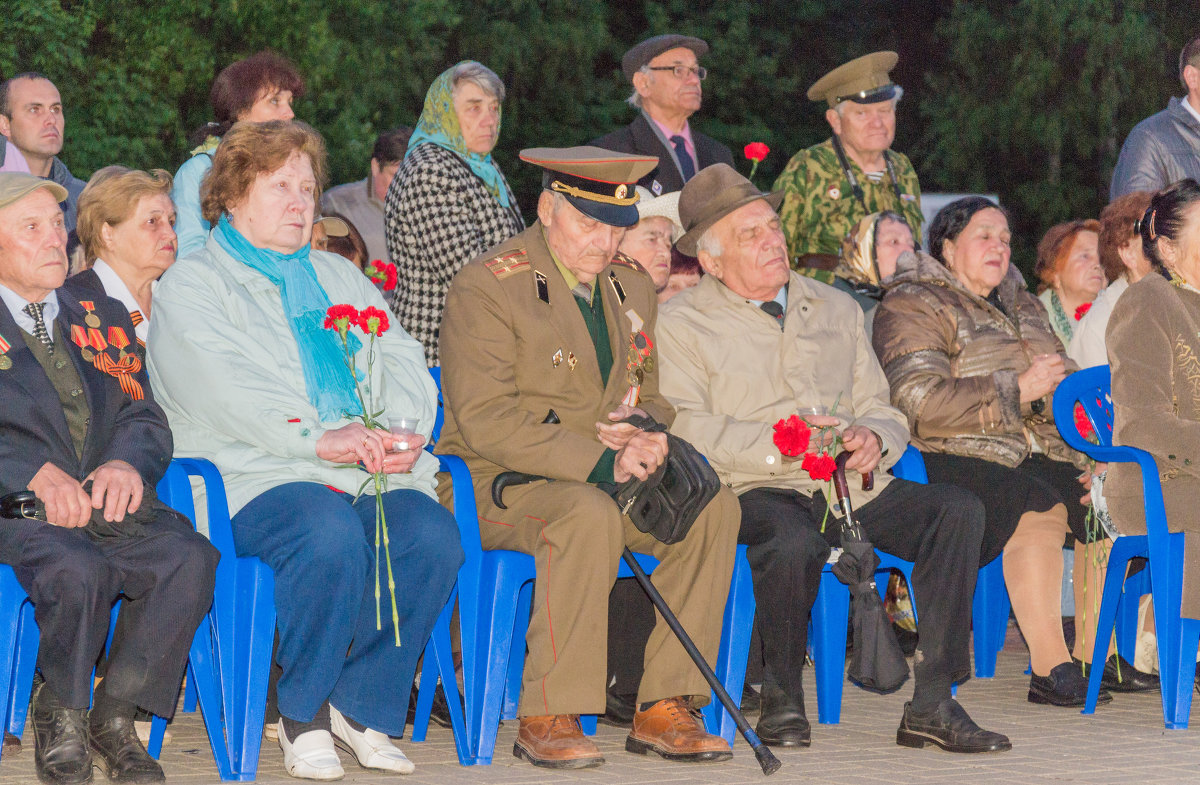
point(686, 164)
point(774, 309)
point(39, 325)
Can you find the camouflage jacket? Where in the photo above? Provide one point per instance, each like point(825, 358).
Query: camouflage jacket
point(819, 208)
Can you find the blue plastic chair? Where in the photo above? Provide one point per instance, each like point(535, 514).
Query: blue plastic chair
point(495, 589)
point(230, 659)
point(1177, 637)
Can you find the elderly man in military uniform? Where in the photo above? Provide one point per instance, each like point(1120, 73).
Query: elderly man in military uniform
point(80, 429)
point(830, 187)
point(753, 344)
point(547, 342)
point(666, 77)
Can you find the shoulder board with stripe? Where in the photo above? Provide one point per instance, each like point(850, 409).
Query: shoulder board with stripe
point(509, 264)
point(625, 261)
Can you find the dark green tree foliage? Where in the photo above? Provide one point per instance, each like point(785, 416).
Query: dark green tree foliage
point(1030, 99)
point(1033, 101)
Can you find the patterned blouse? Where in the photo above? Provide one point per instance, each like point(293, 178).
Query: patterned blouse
point(438, 215)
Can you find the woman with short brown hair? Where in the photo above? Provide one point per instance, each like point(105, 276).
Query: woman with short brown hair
point(251, 379)
point(1069, 274)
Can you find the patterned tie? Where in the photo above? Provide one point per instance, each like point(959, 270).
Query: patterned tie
point(39, 325)
point(774, 309)
point(686, 164)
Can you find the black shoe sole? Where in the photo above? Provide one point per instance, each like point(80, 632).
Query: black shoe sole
point(577, 763)
point(906, 737)
point(1067, 703)
point(783, 741)
point(639, 747)
point(82, 779)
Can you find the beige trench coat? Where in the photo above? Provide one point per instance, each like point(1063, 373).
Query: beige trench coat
point(731, 374)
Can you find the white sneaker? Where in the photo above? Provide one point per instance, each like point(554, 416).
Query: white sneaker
point(311, 756)
point(373, 749)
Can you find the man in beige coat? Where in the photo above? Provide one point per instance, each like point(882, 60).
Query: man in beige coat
point(754, 343)
point(547, 340)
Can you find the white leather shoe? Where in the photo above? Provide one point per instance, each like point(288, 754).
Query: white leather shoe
point(311, 756)
point(373, 749)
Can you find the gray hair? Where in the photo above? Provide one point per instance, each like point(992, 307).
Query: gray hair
point(709, 244)
point(481, 76)
point(895, 100)
point(635, 99)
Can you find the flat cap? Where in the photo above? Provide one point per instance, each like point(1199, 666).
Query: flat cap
point(15, 186)
point(864, 80)
point(647, 50)
point(334, 226)
point(599, 183)
point(715, 192)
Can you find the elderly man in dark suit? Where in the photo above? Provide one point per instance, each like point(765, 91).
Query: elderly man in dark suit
point(82, 432)
point(666, 77)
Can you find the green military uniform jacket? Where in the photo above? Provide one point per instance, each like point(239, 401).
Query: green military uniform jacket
point(514, 345)
point(819, 207)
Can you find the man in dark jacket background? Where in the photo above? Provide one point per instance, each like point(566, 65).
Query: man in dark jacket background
point(666, 77)
point(1165, 147)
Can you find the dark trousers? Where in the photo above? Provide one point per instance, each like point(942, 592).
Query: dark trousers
point(938, 527)
point(165, 580)
point(321, 547)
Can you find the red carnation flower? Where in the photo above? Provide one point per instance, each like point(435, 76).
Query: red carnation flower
point(383, 273)
point(1081, 310)
point(792, 436)
point(340, 317)
point(819, 467)
point(756, 151)
point(1083, 424)
point(373, 321)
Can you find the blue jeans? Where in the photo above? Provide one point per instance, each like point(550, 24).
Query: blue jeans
point(321, 546)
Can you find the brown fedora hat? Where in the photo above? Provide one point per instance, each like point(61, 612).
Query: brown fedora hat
point(715, 192)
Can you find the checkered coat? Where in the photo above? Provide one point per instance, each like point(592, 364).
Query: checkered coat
point(438, 216)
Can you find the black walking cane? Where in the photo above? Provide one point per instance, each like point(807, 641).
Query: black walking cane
point(766, 759)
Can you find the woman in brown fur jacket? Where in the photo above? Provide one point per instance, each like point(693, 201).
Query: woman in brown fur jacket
point(973, 362)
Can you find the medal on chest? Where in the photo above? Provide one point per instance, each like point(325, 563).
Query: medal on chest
point(93, 348)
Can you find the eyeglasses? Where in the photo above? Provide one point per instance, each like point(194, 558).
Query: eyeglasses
point(682, 71)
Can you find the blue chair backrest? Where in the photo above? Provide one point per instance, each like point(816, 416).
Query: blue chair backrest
point(1091, 388)
point(436, 373)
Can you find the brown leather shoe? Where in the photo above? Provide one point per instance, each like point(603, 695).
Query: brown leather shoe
point(555, 741)
point(675, 731)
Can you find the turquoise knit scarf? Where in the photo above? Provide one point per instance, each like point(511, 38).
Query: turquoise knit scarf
point(330, 386)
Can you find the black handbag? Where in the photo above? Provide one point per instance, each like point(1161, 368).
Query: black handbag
point(667, 503)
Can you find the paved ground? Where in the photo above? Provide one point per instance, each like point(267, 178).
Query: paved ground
point(1124, 742)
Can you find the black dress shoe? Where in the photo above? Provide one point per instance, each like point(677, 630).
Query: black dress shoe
point(1121, 676)
point(121, 753)
point(1065, 686)
point(618, 709)
point(784, 726)
point(949, 727)
point(60, 744)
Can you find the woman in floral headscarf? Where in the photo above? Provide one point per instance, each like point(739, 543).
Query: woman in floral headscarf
point(449, 202)
point(868, 260)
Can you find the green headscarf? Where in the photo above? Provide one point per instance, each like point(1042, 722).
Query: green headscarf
point(438, 125)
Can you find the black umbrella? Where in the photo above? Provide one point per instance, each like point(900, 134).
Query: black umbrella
point(877, 664)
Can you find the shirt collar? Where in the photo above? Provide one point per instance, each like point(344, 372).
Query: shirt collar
point(780, 298)
point(1193, 111)
point(16, 304)
point(667, 133)
point(115, 288)
point(569, 277)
